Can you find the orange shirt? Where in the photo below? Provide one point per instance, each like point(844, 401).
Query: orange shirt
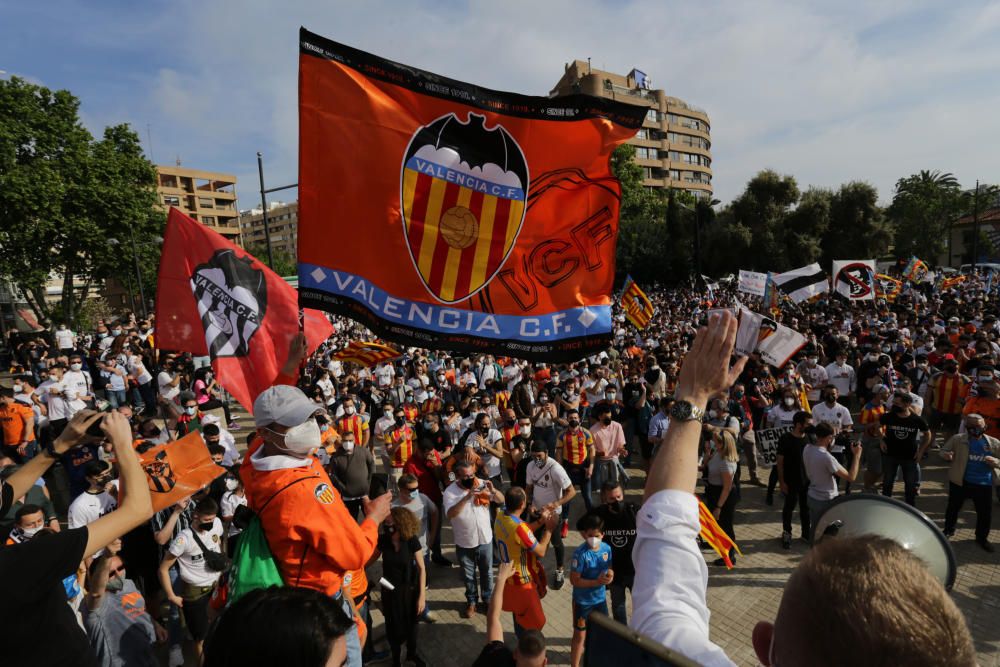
point(12, 420)
point(576, 446)
point(508, 433)
point(411, 412)
point(989, 409)
point(330, 440)
point(402, 439)
point(314, 539)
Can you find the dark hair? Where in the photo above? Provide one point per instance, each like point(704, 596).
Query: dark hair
point(25, 510)
point(206, 506)
point(96, 468)
point(514, 498)
point(601, 410)
point(539, 446)
point(215, 448)
point(801, 417)
point(210, 429)
point(823, 430)
point(277, 626)
point(610, 486)
point(531, 644)
point(590, 521)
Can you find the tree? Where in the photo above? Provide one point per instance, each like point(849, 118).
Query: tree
point(762, 210)
point(64, 195)
point(642, 233)
point(285, 263)
point(858, 228)
point(923, 207)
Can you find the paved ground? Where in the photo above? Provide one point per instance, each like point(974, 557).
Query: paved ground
point(737, 598)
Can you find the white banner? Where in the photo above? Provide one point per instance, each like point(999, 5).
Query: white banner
point(759, 333)
point(854, 279)
point(752, 282)
point(767, 445)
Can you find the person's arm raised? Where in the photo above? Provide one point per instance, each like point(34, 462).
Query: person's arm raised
point(494, 629)
point(705, 372)
point(135, 504)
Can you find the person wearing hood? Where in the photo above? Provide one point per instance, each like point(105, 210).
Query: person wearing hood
point(314, 539)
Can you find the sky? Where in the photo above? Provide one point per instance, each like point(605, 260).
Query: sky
point(826, 92)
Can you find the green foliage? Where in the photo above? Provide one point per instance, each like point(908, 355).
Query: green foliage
point(63, 195)
point(91, 311)
point(922, 208)
point(285, 263)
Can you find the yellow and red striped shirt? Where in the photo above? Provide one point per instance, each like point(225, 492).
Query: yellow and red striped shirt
point(432, 405)
point(948, 392)
point(502, 399)
point(508, 433)
point(402, 439)
point(576, 446)
point(354, 424)
point(411, 412)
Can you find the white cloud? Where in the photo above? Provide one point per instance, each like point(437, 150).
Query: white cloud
point(828, 92)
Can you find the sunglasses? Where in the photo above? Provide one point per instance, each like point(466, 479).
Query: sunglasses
point(413, 490)
point(117, 570)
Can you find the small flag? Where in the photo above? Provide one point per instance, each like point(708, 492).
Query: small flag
point(915, 271)
point(366, 354)
point(772, 298)
point(710, 286)
point(638, 308)
point(714, 536)
point(803, 283)
point(175, 470)
point(948, 283)
point(854, 279)
point(887, 287)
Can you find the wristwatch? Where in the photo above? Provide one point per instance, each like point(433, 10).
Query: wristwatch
point(685, 411)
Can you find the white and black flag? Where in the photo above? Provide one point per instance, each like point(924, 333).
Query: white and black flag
point(803, 283)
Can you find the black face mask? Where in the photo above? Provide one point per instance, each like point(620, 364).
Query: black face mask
point(615, 506)
point(468, 483)
point(483, 430)
point(897, 409)
point(606, 420)
point(206, 526)
point(400, 421)
point(574, 423)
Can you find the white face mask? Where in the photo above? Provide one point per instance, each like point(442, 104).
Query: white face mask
point(75, 367)
point(18, 388)
point(593, 542)
point(348, 446)
point(525, 430)
point(349, 409)
point(302, 439)
point(231, 484)
point(190, 411)
point(387, 412)
point(31, 532)
point(789, 401)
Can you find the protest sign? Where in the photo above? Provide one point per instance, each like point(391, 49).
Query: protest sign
point(752, 282)
point(767, 445)
point(175, 470)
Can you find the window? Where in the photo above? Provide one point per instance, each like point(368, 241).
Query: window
point(673, 118)
point(651, 115)
point(646, 153)
point(206, 202)
point(647, 172)
point(642, 134)
point(171, 200)
point(675, 156)
point(208, 219)
point(675, 175)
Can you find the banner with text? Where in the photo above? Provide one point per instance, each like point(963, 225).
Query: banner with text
point(445, 215)
point(752, 282)
point(767, 445)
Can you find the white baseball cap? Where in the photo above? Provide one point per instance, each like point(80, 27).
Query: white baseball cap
point(285, 405)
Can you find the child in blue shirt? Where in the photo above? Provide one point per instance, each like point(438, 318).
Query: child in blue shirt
point(590, 575)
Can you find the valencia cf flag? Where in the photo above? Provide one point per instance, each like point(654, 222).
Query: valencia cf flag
point(175, 470)
point(887, 287)
point(216, 299)
point(636, 304)
point(366, 354)
point(445, 215)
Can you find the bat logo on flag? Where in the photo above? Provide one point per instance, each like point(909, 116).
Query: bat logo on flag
point(232, 300)
point(463, 191)
point(324, 494)
point(858, 278)
point(160, 474)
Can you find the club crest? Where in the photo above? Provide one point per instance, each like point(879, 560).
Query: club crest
point(463, 191)
point(232, 300)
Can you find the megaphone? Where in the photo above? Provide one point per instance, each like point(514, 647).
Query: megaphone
point(868, 514)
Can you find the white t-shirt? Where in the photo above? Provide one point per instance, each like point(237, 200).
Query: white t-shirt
point(384, 375)
point(64, 339)
point(230, 501)
point(166, 391)
point(548, 482)
point(76, 383)
point(58, 406)
point(138, 370)
point(88, 507)
point(190, 560)
point(839, 417)
point(841, 377)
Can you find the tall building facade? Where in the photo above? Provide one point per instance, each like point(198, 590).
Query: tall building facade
point(206, 196)
point(674, 145)
point(282, 222)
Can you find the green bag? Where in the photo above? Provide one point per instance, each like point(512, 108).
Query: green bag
point(253, 563)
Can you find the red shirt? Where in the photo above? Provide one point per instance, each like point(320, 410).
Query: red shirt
point(426, 473)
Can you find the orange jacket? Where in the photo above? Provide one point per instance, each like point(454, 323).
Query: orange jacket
point(313, 537)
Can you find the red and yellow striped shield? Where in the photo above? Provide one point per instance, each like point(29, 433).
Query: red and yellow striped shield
point(636, 304)
point(463, 195)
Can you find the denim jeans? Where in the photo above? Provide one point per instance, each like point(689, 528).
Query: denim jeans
point(816, 509)
point(909, 467)
point(470, 559)
point(117, 398)
point(619, 610)
point(578, 475)
point(604, 471)
point(353, 641)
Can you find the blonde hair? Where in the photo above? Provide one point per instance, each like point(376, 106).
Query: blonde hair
point(727, 449)
point(868, 601)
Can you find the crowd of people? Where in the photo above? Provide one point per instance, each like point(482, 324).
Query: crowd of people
point(346, 466)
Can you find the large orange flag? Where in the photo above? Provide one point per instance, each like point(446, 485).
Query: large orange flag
point(445, 215)
point(177, 469)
